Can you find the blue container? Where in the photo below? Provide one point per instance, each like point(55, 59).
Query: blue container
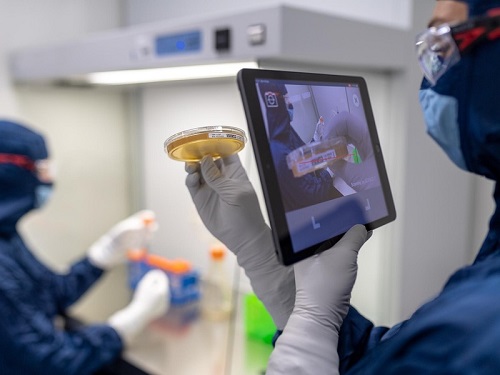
point(183, 280)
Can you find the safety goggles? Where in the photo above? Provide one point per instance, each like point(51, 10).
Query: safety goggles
point(439, 48)
point(43, 169)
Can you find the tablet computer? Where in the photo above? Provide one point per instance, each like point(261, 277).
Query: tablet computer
point(318, 156)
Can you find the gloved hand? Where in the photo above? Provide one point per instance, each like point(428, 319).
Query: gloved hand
point(324, 282)
point(229, 208)
point(150, 301)
point(362, 176)
point(131, 233)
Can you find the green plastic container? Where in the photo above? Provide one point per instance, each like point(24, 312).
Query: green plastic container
point(355, 156)
point(258, 323)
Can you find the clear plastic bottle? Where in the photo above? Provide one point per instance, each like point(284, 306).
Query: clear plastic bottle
point(216, 303)
point(137, 265)
point(320, 129)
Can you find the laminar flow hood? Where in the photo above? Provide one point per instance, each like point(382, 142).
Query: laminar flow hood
point(257, 36)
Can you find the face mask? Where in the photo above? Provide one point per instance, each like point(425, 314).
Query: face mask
point(441, 119)
point(42, 195)
point(461, 110)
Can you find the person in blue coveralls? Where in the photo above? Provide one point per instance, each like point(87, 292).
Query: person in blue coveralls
point(457, 332)
point(298, 192)
point(32, 296)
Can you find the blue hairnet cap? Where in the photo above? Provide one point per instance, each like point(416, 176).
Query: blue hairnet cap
point(20, 140)
point(477, 7)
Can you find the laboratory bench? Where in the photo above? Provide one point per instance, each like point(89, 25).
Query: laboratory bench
point(185, 342)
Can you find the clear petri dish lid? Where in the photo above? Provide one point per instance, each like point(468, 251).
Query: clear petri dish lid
point(193, 144)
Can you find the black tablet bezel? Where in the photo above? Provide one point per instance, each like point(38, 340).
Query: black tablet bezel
point(247, 85)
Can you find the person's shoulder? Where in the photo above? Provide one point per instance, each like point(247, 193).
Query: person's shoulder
point(9, 267)
point(471, 298)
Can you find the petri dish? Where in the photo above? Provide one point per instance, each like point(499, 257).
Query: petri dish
point(193, 144)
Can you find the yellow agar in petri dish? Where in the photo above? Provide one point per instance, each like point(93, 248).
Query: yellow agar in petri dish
point(194, 144)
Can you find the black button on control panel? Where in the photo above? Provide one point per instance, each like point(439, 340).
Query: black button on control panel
point(222, 40)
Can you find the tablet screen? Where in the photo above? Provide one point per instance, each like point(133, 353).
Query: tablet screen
point(318, 155)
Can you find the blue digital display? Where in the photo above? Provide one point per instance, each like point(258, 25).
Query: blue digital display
point(178, 43)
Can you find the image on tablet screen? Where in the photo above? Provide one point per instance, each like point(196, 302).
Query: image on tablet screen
point(323, 157)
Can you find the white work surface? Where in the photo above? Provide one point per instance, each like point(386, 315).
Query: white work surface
point(202, 347)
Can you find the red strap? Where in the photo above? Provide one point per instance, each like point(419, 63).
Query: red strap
point(466, 38)
point(18, 160)
point(494, 34)
point(493, 12)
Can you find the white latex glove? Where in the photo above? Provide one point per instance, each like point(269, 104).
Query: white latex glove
point(362, 176)
point(131, 233)
point(229, 208)
point(308, 345)
point(150, 301)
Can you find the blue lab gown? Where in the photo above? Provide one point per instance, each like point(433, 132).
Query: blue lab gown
point(457, 332)
point(31, 295)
